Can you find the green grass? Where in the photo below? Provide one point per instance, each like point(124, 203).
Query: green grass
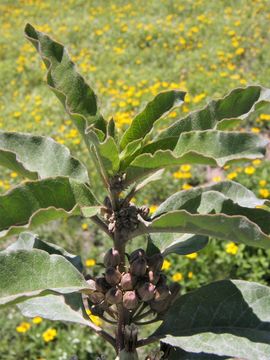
point(129, 51)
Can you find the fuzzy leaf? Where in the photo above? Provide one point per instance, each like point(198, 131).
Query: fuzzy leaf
point(71, 89)
point(143, 122)
point(239, 103)
point(226, 318)
point(34, 203)
point(215, 148)
point(56, 308)
point(33, 273)
point(38, 157)
point(30, 241)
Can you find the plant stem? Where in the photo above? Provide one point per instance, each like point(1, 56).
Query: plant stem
point(147, 341)
point(101, 225)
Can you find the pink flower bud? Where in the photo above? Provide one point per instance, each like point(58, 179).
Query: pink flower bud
point(155, 262)
point(112, 276)
point(153, 277)
point(114, 296)
point(130, 300)
point(128, 281)
point(112, 258)
point(96, 297)
point(146, 291)
point(162, 292)
point(138, 267)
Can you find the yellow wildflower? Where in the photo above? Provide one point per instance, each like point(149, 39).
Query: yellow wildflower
point(13, 175)
point(153, 208)
point(90, 262)
point(255, 130)
point(239, 51)
point(265, 117)
point(264, 193)
point(49, 335)
point(166, 265)
point(84, 226)
point(216, 178)
point(249, 170)
point(232, 175)
point(231, 248)
point(23, 327)
point(185, 167)
point(262, 183)
point(190, 275)
point(177, 276)
point(37, 320)
point(186, 186)
point(95, 319)
point(192, 256)
point(256, 162)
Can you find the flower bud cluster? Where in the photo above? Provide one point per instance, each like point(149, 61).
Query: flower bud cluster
point(142, 282)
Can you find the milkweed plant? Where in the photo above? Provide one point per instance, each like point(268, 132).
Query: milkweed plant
point(224, 319)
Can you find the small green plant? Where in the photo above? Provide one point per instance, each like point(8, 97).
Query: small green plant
point(227, 318)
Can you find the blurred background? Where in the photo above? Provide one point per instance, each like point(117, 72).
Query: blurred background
point(129, 51)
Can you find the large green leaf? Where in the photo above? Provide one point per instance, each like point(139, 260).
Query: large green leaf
point(107, 153)
point(56, 307)
point(34, 203)
point(175, 244)
point(38, 157)
point(179, 354)
point(212, 147)
point(226, 318)
point(239, 103)
point(143, 122)
point(77, 97)
point(33, 273)
point(30, 241)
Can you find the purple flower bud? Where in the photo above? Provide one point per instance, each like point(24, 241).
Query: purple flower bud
point(130, 300)
point(128, 281)
point(112, 258)
point(146, 291)
point(96, 297)
point(136, 254)
point(155, 262)
point(102, 285)
point(114, 296)
point(138, 267)
point(162, 292)
point(112, 276)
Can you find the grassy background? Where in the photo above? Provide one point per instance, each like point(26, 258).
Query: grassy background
point(129, 51)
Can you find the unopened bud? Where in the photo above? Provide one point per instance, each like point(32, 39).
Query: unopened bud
point(102, 285)
point(138, 266)
point(153, 277)
point(155, 262)
point(112, 258)
point(159, 306)
point(96, 297)
point(112, 276)
point(130, 300)
point(114, 296)
point(97, 310)
point(162, 292)
point(136, 254)
point(128, 281)
point(146, 291)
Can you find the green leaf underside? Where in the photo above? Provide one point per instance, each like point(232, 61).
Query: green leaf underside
point(38, 157)
point(37, 202)
point(191, 199)
point(33, 273)
point(107, 152)
point(194, 148)
point(56, 308)
point(239, 103)
point(143, 122)
point(178, 354)
point(77, 97)
point(30, 241)
point(177, 244)
point(226, 318)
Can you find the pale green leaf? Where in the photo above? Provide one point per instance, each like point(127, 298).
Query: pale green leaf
point(38, 157)
point(239, 103)
point(77, 97)
point(34, 203)
point(143, 122)
point(226, 318)
point(33, 273)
